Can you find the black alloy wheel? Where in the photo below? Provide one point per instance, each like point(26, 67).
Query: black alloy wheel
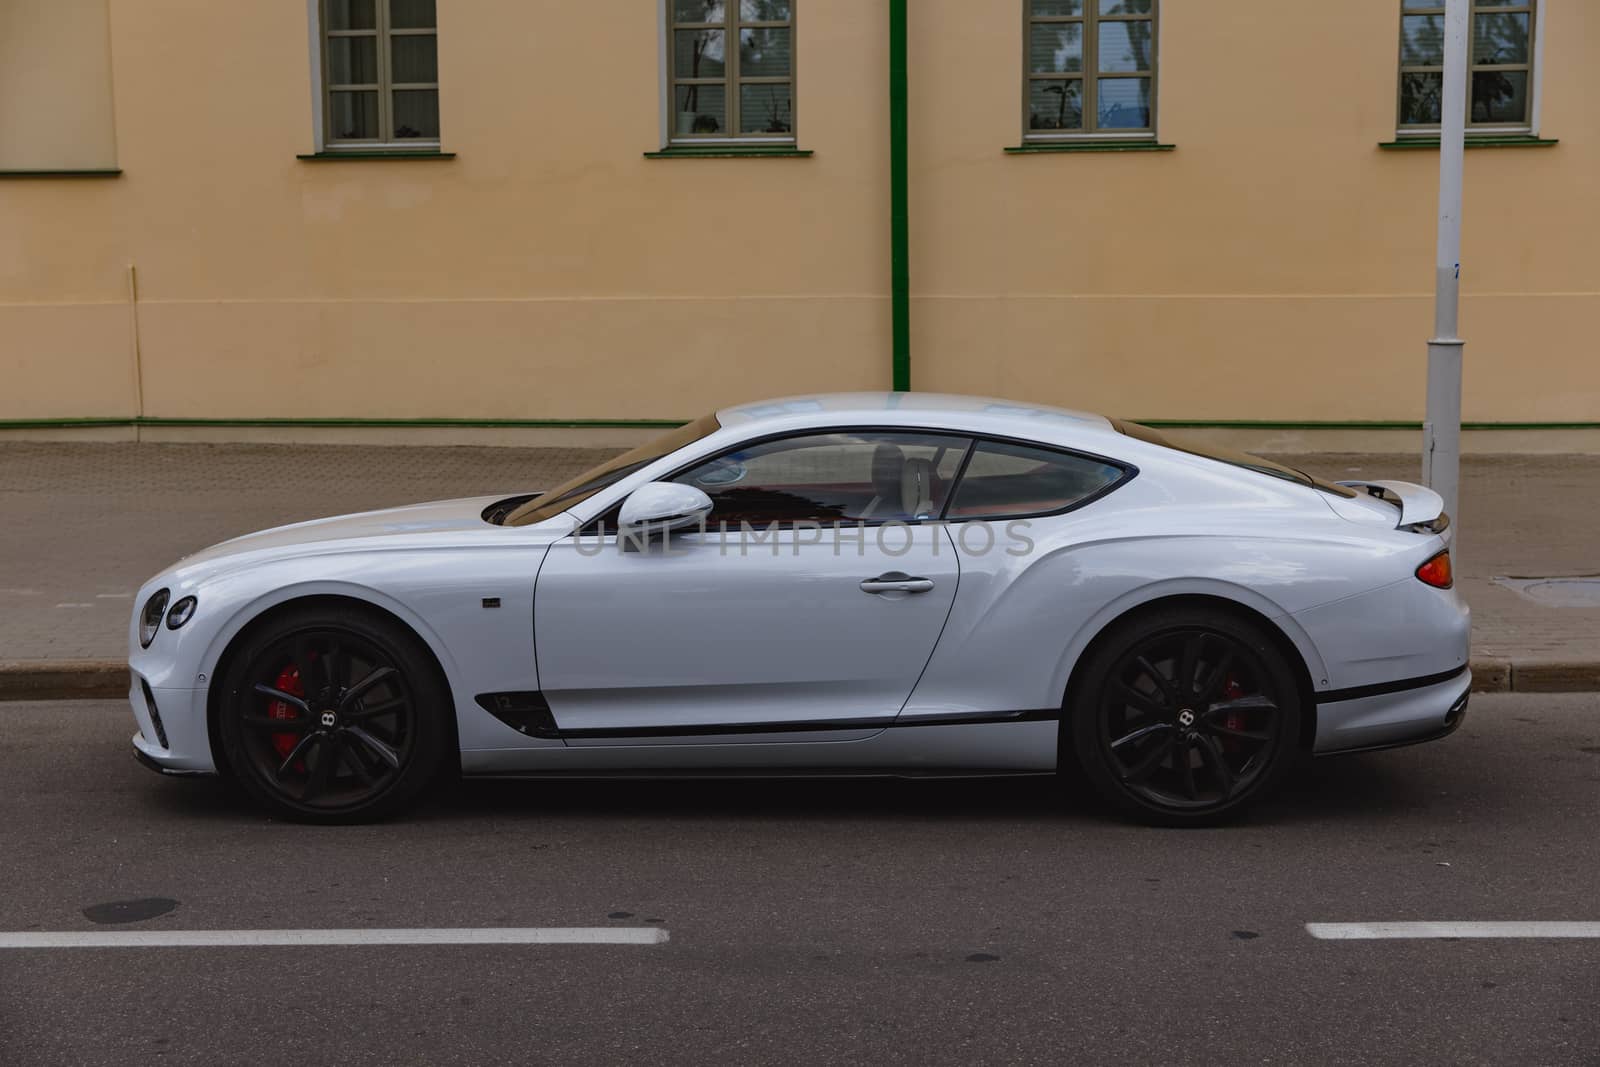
point(333, 716)
point(1189, 716)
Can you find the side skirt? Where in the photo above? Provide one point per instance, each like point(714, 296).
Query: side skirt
point(1014, 744)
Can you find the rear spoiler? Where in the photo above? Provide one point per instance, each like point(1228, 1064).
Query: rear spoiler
point(1421, 508)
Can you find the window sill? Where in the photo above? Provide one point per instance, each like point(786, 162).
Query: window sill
point(729, 151)
point(111, 172)
point(1089, 146)
point(1499, 140)
point(375, 153)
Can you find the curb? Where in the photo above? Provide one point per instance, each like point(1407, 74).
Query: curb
point(108, 679)
point(67, 679)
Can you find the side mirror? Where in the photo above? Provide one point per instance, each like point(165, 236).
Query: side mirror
point(661, 506)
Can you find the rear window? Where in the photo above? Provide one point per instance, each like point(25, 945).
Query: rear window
point(1004, 481)
point(1179, 443)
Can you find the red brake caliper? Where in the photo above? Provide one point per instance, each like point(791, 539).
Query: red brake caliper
point(288, 682)
point(1234, 720)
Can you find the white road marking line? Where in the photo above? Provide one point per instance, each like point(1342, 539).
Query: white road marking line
point(113, 596)
point(513, 935)
point(1377, 931)
point(74, 605)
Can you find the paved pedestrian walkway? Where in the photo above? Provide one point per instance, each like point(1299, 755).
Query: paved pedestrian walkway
point(82, 525)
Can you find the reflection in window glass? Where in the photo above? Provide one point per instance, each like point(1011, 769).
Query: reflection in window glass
point(766, 108)
point(1090, 68)
point(1005, 480)
point(721, 91)
point(1124, 103)
point(1056, 48)
point(1124, 47)
point(1421, 98)
point(1055, 105)
point(699, 53)
point(1500, 52)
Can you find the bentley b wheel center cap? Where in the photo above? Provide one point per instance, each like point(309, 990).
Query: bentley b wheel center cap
point(329, 720)
point(1185, 717)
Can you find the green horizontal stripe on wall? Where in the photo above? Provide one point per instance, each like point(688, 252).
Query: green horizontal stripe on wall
point(649, 424)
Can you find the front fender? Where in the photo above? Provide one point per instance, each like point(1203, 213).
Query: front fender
point(445, 599)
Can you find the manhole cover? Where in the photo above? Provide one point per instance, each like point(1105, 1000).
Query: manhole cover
point(1557, 592)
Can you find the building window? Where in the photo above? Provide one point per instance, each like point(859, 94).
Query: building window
point(1091, 68)
point(380, 63)
point(1500, 53)
point(718, 92)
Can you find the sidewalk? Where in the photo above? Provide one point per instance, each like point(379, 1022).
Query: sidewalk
point(82, 525)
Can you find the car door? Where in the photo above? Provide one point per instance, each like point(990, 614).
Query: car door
point(811, 600)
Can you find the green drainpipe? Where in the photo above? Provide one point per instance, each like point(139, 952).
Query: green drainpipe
point(900, 215)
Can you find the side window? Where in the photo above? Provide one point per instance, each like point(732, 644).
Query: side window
point(1006, 481)
point(832, 478)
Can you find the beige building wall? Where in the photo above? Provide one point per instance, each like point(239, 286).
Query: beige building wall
point(548, 271)
point(1276, 265)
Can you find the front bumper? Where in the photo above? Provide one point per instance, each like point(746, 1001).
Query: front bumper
point(1405, 716)
point(172, 735)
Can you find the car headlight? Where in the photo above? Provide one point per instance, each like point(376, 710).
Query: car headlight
point(150, 618)
point(181, 612)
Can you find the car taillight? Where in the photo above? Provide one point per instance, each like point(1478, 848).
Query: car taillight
point(1436, 572)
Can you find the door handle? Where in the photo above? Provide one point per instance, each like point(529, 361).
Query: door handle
point(895, 582)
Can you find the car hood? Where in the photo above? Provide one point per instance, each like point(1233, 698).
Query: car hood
point(441, 520)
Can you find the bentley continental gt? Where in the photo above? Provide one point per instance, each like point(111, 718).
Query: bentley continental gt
point(859, 584)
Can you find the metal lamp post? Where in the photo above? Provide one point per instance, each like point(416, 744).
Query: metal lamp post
point(1441, 445)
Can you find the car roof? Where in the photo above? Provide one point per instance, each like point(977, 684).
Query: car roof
point(977, 414)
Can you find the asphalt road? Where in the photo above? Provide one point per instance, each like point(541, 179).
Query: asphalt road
point(886, 921)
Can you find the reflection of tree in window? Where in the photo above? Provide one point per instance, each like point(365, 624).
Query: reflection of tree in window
point(1500, 59)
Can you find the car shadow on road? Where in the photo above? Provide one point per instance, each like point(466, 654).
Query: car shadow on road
point(1325, 791)
point(1322, 791)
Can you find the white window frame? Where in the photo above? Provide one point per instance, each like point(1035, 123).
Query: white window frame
point(1541, 17)
point(1097, 135)
point(319, 98)
point(669, 135)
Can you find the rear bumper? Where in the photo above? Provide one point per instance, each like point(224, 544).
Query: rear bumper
point(1403, 714)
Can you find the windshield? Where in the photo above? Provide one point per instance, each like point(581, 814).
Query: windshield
point(610, 472)
point(1228, 456)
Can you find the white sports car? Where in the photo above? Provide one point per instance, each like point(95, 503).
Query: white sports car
point(860, 584)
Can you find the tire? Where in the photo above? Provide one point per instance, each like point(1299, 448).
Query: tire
point(333, 715)
point(1186, 716)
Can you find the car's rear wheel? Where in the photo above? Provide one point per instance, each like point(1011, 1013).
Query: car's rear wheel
point(1186, 716)
point(333, 715)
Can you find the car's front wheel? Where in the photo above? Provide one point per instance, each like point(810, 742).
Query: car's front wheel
point(1186, 716)
point(332, 715)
